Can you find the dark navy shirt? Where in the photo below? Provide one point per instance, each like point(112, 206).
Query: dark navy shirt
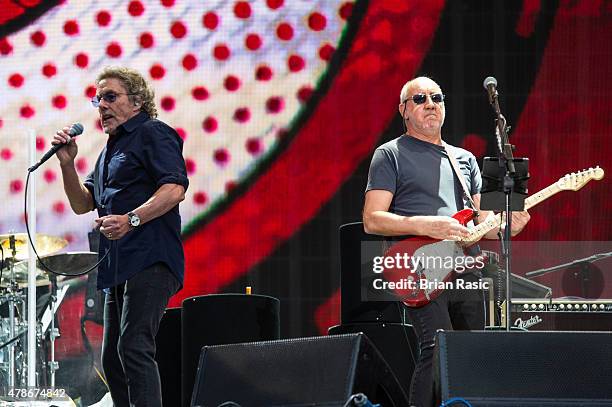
point(142, 156)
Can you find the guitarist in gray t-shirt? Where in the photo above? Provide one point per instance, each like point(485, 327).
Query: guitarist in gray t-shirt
point(412, 190)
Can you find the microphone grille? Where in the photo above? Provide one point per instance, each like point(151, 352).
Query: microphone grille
point(77, 129)
point(489, 80)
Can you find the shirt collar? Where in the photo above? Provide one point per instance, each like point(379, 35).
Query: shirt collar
point(131, 124)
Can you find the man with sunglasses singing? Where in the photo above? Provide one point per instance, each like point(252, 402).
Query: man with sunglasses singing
point(136, 186)
point(413, 190)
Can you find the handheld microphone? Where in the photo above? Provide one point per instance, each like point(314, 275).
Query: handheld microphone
point(75, 130)
point(490, 84)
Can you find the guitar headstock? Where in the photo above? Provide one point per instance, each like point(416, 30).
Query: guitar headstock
point(576, 180)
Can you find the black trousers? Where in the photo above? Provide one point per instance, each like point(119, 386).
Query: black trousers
point(457, 309)
point(132, 312)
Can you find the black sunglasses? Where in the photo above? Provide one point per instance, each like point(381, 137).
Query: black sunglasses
point(109, 97)
point(421, 98)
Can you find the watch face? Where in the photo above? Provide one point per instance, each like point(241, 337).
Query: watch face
point(134, 220)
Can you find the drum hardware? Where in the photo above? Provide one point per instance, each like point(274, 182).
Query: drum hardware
point(14, 281)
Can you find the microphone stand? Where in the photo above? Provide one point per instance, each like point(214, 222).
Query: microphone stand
point(506, 167)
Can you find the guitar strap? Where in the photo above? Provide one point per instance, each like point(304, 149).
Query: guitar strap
point(459, 175)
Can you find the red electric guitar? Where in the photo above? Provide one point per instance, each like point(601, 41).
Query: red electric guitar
point(418, 269)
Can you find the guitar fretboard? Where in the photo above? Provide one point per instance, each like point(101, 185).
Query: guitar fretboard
point(493, 222)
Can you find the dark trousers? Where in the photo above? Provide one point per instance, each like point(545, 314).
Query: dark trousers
point(132, 312)
point(461, 309)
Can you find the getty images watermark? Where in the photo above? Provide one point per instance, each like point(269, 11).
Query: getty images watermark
point(426, 272)
point(417, 271)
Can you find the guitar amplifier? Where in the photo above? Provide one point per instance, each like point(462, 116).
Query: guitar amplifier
point(562, 315)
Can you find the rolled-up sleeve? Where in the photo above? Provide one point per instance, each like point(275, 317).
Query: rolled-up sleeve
point(88, 182)
point(163, 155)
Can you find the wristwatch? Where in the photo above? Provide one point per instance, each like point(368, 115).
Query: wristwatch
point(134, 219)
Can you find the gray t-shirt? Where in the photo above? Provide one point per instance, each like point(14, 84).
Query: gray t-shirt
point(421, 178)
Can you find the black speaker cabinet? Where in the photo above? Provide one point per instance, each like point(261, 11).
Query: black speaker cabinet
point(525, 368)
point(397, 343)
point(353, 309)
point(318, 371)
point(168, 341)
point(223, 319)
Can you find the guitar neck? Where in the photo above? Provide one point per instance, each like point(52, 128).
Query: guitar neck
point(493, 222)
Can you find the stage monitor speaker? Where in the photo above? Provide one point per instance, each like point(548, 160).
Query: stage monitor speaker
point(217, 319)
point(525, 368)
point(397, 343)
point(318, 371)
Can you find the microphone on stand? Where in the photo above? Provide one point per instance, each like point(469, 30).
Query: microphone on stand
point(75, 130)
point(490, 84)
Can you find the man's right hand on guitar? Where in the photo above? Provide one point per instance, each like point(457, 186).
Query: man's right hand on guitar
point(441, 227)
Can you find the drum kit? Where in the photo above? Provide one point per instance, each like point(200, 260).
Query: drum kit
point(50, 291)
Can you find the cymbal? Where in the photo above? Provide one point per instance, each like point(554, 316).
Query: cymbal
point(69, 263)
point(21, 276)
point(45, 244)
point(66, 263)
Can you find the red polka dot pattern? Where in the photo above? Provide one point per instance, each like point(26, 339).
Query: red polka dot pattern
point(242, 115)
point(49, 70)
point(326, 52)
point(253, 42)
point(136, 8)
point(182, 133)
point(210, 124)
point(296, 63)
point(38, 38)
point(27, 111)
point(6, 154)
point(254, 146)
point(242, 9)
point(210, 20)
point(103, 18)
point(71, 27)
point(15, 80)
point(168, 103)
point(274, 4)
point(304, 93)
point(231, 83)
point(82, 60)
point(190, 165)
point(263, 73)
point(16, 186)
point(157, 71)
point(222, 70)
point(90, 91)
point(59, 207)
point(178, 30)
point(284, 31)
point(221, 156)
point(200, 198)
point(317, 21)
point(40, 143)
point(114, 50)
point(190, 62)
point(49, 176)
point(81, 165)
point(274, 104)
point(59, 102)
point(221, 52)
point(146, 40)
point(346, 10)
point(5, 47)
point(200, 93)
